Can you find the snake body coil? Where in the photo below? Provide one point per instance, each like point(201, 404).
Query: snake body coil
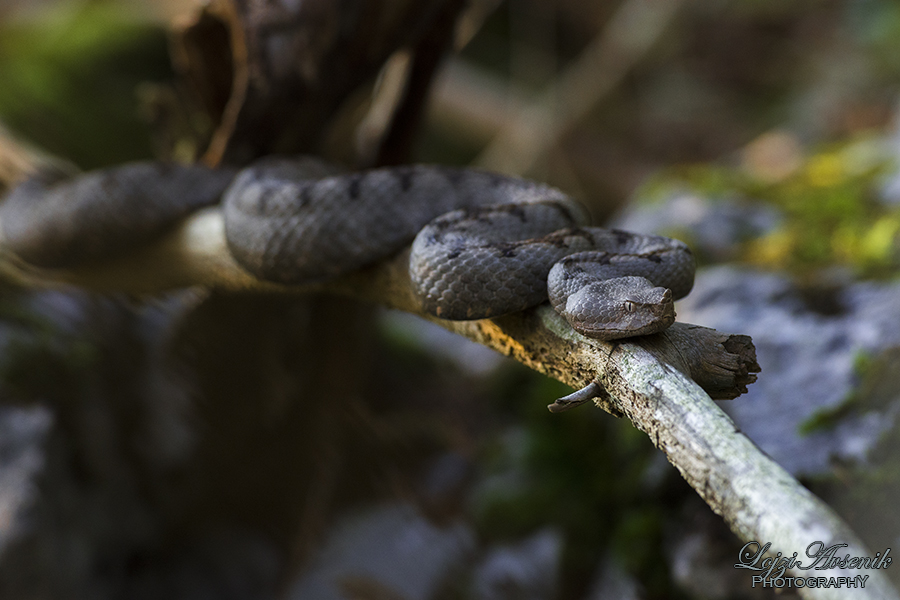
point(484, 245)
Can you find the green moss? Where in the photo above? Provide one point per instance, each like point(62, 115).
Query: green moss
point(831, 214)
point(825, 419)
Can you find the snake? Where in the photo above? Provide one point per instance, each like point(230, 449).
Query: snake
point(483, 245)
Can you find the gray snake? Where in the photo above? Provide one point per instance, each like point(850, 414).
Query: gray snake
point(483, 245)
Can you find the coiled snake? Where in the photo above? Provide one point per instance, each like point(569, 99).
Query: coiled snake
point(484, 245)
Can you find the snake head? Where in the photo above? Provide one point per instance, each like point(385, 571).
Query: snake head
point(620, 307)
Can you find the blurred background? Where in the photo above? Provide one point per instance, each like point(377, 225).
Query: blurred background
point(205, 446)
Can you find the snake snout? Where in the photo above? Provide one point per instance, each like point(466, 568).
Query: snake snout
point(663, 312)
point(657, 296)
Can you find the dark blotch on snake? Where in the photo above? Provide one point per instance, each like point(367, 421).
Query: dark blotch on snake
point(406, 177)
point(454, 176)
point(353, 186)
point(517, 212)
point(566, 213)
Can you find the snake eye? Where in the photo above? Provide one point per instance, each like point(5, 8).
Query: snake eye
point(629, 306)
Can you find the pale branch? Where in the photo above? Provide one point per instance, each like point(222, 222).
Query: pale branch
point(656, 381)
point(196, 253)
point(538, 125)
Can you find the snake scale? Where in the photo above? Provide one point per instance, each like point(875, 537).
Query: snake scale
point(483, 245)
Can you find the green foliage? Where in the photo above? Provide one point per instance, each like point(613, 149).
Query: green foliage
point(876, 25)
point(68, 82)
point(831, 213)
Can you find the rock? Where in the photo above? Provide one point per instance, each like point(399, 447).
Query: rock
point(808, 359)
point(23, 431)
point(612, 581)
point(392, 551)
point(526, 571)
point(715, 227)
point(702, 562)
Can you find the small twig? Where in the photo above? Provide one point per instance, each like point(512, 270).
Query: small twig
point(534, 129)
point(577, 398)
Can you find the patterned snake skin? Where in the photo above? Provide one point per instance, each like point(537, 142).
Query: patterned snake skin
point(484, 245)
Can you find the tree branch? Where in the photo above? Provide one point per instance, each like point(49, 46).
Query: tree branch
point(648, 380)
point(195, 253)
